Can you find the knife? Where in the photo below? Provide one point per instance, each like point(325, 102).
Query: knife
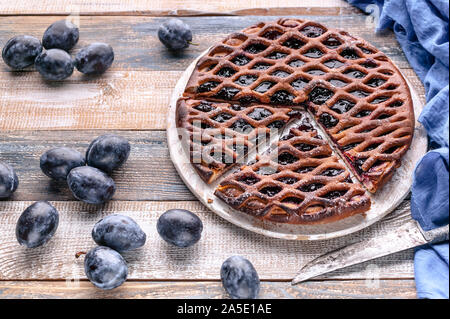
point(407, 236)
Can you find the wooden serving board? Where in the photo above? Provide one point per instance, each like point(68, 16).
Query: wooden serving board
point(383, 202)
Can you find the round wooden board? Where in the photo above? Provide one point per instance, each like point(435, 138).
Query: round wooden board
point(383, 202)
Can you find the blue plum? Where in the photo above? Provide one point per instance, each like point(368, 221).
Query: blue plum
point(58, 162)
point(37, 224)
point(54, 64)
point(62, 35)
point(105, 268)
point(118, 232)
point(91, 185)
point(95, 58)
point(175, 34)
point(180, 227)
point(108, 152)
point(8, 180)
point(21, 51)
point(239, 278)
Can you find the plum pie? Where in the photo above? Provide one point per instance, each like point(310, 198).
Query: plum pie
point(272, 75)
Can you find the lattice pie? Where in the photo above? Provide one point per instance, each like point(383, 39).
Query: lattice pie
point(259, 79)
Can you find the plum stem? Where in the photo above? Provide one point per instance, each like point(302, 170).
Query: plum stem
point(193, 43)
point(78, 254)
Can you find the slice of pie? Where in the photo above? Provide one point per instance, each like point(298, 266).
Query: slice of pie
point(353, 89)
point(219, 135)
point(299, 182)
point(372, 128)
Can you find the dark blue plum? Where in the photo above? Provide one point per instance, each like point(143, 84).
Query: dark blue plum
point(95, 58)
point(175, 34)
point(118, 232)
point(239, 278)
point(91, 185)
point(8, 180)
point(105, 268)
point(62, 35)
point(37, 224)
point(54, 64)
point(21, 51)
point(180, 227)
point(108, 152)
point(58, 162)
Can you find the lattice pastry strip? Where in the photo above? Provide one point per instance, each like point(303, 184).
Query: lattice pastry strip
point(220, 135)
point(299, 182)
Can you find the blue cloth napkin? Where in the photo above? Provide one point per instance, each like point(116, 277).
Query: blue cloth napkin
point(421, 28)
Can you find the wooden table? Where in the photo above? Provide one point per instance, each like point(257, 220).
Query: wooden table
point(131, 100)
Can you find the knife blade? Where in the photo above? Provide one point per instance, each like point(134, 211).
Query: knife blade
point(407, 236)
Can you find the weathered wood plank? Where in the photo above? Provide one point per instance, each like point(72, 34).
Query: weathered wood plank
point(133, 100)
point(384, 289)
point(175, 7)
point(126, 100)
point(274, 259)
point(147, 175)
point(137, 47)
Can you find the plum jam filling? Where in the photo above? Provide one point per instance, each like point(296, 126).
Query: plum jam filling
point(207, 86)
point(249, 180)
point(255, 48)
point(226, 72)
point(306, 169)
point(259, 114)
point(275, 125)
point(334, 194)
point(333, 64)
point(246, 80)
point(356, 166)
point(312, 31)
point(286, 158)
point(270, 191)
point(222, 117)
point(288, 180)
point(296, 63)
point(204, 107)
point(282, 98)
point(305, 147)
point(319, 95)
point(227, 93)
point(311, 187)
point(331, 172)
point(293, 43)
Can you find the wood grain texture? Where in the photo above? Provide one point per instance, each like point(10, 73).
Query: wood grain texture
point(148, 174)
point(120, 100)
point(384, 289)
point(274, 259)
point(137, 47)
point(133, 96)
point(174, 7)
